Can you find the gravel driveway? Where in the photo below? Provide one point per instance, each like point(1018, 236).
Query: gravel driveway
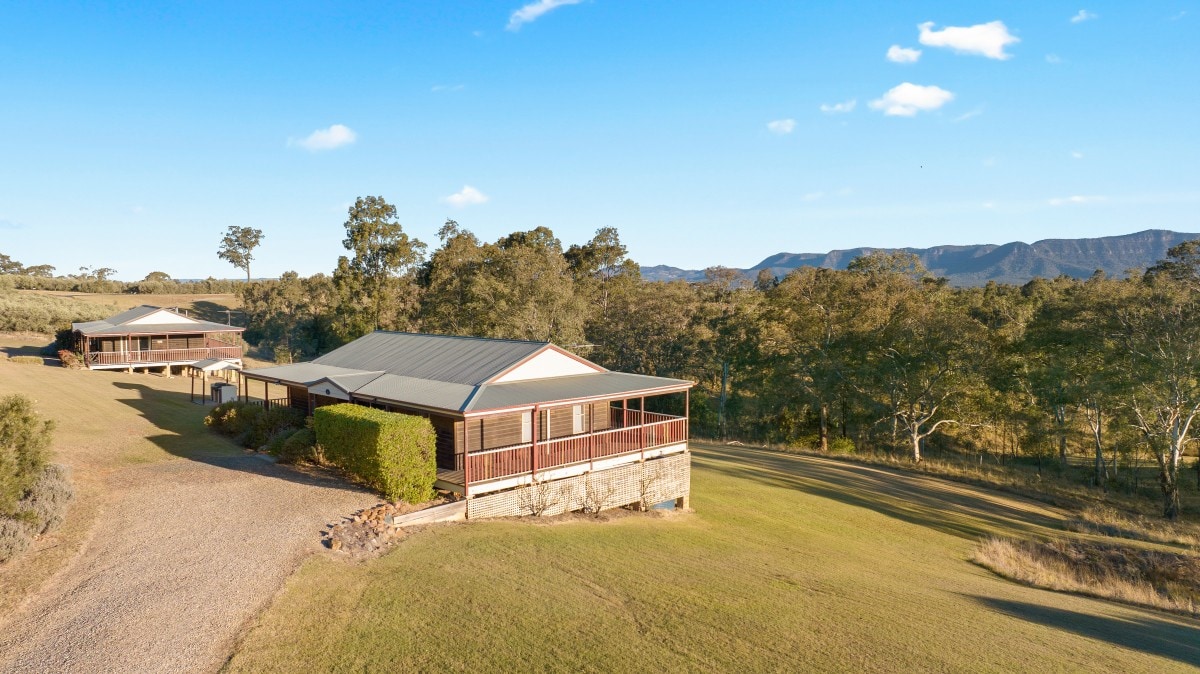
point(185, 553)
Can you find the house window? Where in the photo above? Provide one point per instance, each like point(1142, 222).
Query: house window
point(526, 427)
point(576, 419)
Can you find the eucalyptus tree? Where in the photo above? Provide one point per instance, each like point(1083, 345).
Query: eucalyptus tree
point(237, 246)
point(377, 285)
point(450, 303)
point(1159, 337)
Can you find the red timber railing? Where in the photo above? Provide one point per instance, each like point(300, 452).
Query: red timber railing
point(659, 430)
point(161, 355)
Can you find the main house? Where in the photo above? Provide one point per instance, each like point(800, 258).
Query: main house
point(511, 417)
point(148, 336)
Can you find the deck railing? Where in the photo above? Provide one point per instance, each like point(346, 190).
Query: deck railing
point(161, 355)
point(658, 431)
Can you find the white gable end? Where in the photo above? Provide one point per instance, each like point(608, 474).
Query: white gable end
point(161, 317)
point(549, 363)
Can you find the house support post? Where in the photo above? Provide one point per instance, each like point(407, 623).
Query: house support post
point(642, 421)
point(537, 429)
point(266, 396)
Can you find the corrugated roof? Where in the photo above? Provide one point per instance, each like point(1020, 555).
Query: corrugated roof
point(448, 373)
point(518, 393)
point(443, 358)
point(301, 373)
point(116, 325)
point(151, 328)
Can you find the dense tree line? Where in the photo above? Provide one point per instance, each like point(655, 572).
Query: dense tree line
point(878, 356)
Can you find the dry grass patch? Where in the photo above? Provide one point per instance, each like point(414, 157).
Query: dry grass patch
point(1162, 580)
point(1109, 521)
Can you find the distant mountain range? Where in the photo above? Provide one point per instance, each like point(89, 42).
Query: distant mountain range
point(1015, 262)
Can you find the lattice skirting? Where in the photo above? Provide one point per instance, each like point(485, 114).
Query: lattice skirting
point(652, 481)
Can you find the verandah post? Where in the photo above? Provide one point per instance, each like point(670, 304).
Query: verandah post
point(537, 429)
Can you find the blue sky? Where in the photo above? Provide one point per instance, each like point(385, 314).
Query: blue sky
point(708, 133)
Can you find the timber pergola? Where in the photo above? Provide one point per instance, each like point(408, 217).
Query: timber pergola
point(506, 412)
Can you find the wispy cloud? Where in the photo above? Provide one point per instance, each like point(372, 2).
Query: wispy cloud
point(984, 39)
point(467, 196)
point(839, 108)
point(335, 136)
point(781, 127)
point(898, 54)
point(444, 88)
point(1075, 199)
point(812, 196)
point(1083, 15)
point(9, 224)
point(1076, 154)
point(907, 99)
point(534, 11)
point(1053, 59)
point(968, 115)
point(1179, 16)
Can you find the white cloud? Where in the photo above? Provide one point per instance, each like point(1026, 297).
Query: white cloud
point(326, 139)
point(1083, 15)
point(534, 10)
point(907, 99)
point(812, 196)
point(1074, 199)
point(1054, 59)
point(984, 39)
point(1076, 154)
point(988, 204)
point(781, 126)
point(441, 88)
point(898, 54)
point(837, 108)
point(990, 162)
point(467, 196)
point(1179, 15)
point(844, 192)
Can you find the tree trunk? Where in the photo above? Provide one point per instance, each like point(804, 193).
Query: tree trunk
point(916, 445)
point(1060, 417)
point(1170, 490)
point(824, 426)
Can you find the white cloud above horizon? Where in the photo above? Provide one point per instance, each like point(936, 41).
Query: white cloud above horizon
point(1076, 154)
point(1083, 15)
point(898, 54)
point(467, 196)
point(907, 99)
point(839, 108)
point(983, 39)
point(781, 127)
point(1053, 59)
point(443, 88)
point(334, 137)
point(1074, 200)
point(534, 11)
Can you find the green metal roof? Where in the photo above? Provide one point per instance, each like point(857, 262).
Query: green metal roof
point(450, 373)
point(117, 324)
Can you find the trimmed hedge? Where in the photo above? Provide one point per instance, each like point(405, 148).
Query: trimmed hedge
point(393, 453)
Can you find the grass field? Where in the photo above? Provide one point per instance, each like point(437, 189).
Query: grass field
point(788, 563)
point(207, 307)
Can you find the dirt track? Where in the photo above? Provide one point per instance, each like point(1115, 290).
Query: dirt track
point(184, 554)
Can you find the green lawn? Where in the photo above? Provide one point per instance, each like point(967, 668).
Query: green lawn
point(787, 564)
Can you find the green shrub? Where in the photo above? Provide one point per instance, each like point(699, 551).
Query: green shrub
point(24, 437)
point(15, 537)
point(251, 425)
point(393, 453)
point(841, 445)
point(270, 423)
point(27, 360)
point(46, 501)
point(299, 445)
point(70, 359)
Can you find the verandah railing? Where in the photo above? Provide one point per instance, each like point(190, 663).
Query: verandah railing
point(660, 430)
point(162, 355)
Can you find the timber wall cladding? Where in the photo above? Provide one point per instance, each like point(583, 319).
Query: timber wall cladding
point(662, 479)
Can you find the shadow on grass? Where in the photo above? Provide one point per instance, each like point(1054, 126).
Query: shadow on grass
point(214, 312)
point(1174, 639)
point(949, 507)
point(187, 437)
